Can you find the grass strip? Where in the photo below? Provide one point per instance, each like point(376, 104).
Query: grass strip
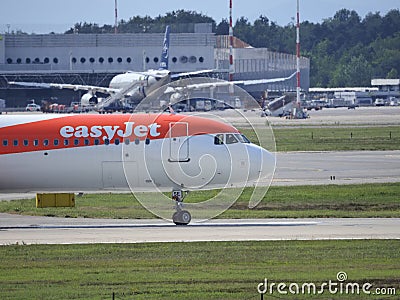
point(330, 138)
point(352, 201)
point(207, 270)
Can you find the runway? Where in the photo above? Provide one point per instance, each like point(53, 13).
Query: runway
point(16, 229)
point(361, 116)
point(337, 167)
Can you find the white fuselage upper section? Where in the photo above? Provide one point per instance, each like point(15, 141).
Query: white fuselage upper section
point(139, 85)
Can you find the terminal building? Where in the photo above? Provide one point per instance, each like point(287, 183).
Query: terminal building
point(93, 59)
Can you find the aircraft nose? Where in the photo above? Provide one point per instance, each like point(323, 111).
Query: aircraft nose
point(262, 163)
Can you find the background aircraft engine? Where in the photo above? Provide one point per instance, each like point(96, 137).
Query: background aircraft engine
point(176, 97)
point(88, 99)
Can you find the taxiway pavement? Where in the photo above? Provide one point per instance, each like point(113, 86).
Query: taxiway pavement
point(339, 167)
point(16, 229)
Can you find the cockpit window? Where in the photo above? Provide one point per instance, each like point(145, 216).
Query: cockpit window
point(219, 139)
point(231, 139)
point(242, 138)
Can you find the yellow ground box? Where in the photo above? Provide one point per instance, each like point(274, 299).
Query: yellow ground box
point(55, 200)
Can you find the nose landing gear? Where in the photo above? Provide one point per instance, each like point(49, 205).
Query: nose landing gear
point(181, 216)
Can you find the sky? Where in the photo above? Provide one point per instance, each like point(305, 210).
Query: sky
point(45, 16)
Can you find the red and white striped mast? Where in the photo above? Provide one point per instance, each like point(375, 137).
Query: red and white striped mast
point(231, 69)
point(116, 17)
point(298, 55)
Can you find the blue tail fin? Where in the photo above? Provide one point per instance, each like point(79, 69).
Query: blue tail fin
point(165, 51)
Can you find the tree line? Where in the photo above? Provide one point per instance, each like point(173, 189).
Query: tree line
point(344, 50)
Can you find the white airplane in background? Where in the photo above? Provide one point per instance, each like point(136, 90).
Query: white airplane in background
point(130, 84)
point(137, 85)
point(138, 152)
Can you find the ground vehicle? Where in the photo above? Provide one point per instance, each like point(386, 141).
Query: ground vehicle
point(379, 102)
point(32, 107)
point(394, 101)
point(203, 105)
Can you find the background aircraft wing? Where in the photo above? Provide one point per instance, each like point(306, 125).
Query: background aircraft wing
point(260, 81)
point(75, 87)
point(118, 94)
point(184, 74)
point(171, 89)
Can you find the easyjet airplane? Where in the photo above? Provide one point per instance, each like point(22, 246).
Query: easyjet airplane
point(144, 152)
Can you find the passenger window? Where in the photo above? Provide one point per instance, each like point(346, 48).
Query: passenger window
point(76, 142)
point(66, 142)
point(230, 139)
point(55, 142)
point(26, 142)
point(137, 141)
point(219, 139)
point(86, 142)
point(147, 141)
point(15, 142)
point(96, 141)
point(116, 142)
point(106, 141)
point(45, 142)
point(35, 143)
point(5, 142)
point(127, 141)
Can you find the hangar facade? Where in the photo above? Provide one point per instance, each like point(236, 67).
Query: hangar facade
point(93, 59)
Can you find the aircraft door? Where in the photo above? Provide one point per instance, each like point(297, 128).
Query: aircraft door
point(179, 142)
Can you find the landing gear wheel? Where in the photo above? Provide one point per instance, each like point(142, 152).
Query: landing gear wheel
point(182, 217)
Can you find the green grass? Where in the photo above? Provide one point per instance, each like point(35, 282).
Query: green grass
point(331, 138)
point(207, 270)
point(362, 200)
point(350, 201)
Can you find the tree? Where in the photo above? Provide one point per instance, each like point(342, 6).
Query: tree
point(391, 23)
point(344, 30)
point(243, 30)
point(371, 24)
point(393, 74)
point(222, 28)
point(354, 72)
point(386, 55)
point(85, 28)
point(322, 64)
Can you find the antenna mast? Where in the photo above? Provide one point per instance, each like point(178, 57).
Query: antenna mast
point(116, 18)
point(231, 69)
point(298, 55)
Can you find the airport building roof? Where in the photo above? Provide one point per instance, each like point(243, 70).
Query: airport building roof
point(342, 89)
point(380, 82)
